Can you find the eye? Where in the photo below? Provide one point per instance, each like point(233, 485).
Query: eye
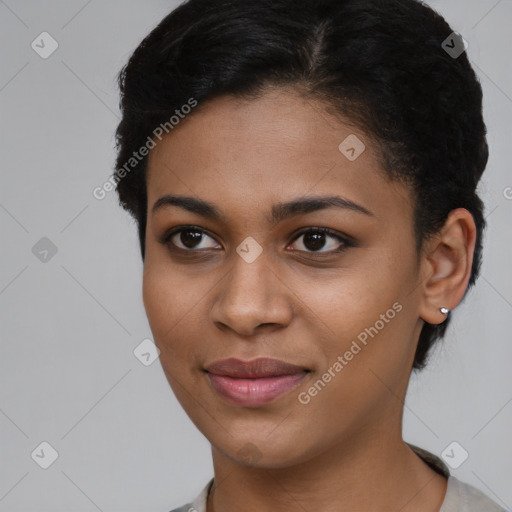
point(192, 238)
point(315, 239)
point(189, 238)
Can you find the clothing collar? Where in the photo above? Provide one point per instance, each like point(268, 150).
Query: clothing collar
point(432, 460)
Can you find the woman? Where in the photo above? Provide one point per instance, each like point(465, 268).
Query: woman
point(303, 176)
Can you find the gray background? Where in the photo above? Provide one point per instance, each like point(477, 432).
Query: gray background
point(70, 323)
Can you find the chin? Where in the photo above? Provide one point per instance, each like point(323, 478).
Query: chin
point(257, 450)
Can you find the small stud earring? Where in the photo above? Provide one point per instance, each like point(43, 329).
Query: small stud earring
point(445, 311)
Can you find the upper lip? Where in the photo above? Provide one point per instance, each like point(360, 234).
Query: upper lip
point(257, 368)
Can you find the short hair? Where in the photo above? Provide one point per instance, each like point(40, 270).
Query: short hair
point(381, 64)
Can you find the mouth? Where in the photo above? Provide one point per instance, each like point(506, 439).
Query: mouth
point(254, 383)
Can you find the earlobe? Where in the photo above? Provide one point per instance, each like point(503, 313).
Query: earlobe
point(449, 259)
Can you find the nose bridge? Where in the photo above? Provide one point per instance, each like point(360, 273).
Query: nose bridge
point(251, 294)
point(250, 279)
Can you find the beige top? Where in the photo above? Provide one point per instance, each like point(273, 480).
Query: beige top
point(460, 497)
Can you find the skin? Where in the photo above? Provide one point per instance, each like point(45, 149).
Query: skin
point(343, 451)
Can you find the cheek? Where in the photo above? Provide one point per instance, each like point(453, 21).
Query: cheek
point(165, 303)
point(366, 306)
point(347, 301)
point(168, 293)
point(157, 300)
point(175, 308)
point(168, 314)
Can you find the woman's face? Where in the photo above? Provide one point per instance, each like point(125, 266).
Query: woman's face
point(257, 281)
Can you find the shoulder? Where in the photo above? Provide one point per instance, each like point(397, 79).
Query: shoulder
point(199, 504)
point(462, 497)
point(185, 508)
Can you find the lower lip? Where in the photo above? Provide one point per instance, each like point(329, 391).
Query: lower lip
point(255, 392)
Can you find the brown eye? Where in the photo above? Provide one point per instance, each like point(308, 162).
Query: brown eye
point(190, 239)
point(316, 239)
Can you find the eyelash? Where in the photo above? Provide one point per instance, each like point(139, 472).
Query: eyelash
point(345, 241)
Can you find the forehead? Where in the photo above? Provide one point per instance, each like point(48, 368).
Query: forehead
point(243, 154)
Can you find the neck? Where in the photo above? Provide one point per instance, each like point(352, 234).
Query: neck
point(373, 471)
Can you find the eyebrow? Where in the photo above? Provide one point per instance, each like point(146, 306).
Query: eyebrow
point(279, 211)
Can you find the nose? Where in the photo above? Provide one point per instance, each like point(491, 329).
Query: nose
point(252, 297)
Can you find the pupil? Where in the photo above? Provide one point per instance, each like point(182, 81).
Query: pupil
point(189, 240)
point(314, 241)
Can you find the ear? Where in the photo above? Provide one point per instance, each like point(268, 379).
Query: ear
point(447, 260)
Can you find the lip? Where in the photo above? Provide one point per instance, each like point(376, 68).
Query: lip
point(255, 369)
point(254, 383)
